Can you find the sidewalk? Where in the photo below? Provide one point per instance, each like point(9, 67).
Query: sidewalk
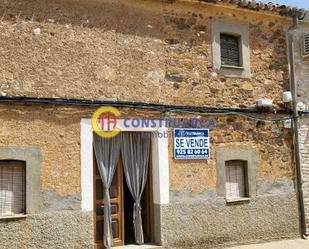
point(283, 244)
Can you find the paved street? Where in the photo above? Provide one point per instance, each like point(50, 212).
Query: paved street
point(284, 244)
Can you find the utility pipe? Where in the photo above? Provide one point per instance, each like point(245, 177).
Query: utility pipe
point(295, 124)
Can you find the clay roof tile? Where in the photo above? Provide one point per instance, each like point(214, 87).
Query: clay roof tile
point(258, 5)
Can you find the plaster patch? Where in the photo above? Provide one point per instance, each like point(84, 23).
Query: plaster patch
point(55, 202)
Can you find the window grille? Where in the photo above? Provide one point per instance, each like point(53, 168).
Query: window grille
point(230, 52)
point(306, 44)
point(12, 188)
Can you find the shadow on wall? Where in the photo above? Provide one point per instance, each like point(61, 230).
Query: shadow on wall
point(132, 17)
point(161, 50)
point(127, 17)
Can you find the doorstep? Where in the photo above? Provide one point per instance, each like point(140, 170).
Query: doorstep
point(145, 246)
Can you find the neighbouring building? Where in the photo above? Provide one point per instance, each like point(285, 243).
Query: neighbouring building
point(301, 59)
point(183, 60)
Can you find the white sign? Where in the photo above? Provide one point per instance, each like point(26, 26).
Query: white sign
point(191, 143)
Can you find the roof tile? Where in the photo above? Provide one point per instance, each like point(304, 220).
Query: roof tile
point(258, 5)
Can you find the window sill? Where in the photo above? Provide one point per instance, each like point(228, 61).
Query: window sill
point(13, 217)
point(234, 72)
point(244, 199)
point(232, 67)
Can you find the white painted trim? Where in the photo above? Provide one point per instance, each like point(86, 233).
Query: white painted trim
point(86, 154)
point(160, 170)
point(160, 166)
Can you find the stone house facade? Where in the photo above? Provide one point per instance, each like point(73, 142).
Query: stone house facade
point(55, 53)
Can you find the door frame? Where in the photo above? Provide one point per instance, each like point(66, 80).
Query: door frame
point(159, 161)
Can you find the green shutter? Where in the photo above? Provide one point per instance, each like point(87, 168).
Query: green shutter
point(230, 54)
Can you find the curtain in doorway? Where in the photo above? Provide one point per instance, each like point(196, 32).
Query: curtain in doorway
point(107, 151)
point(135, 149)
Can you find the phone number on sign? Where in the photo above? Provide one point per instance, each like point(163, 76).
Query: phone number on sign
point(192, 152)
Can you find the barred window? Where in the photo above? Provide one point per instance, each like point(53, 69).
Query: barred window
point(12, 187)
point(230, 50)
point(235, 173)
point(306, 44)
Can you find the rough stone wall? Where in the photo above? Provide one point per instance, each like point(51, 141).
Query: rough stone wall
point(198, 217)
point(57, 230)
point(60, 223)
point(304, 151)
point(56, 130)
point(302, 80)
point(272, 143)
point(135, 50)
point(207, 222)
point(301, 67)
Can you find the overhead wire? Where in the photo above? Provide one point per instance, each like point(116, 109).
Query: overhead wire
point(215, 111)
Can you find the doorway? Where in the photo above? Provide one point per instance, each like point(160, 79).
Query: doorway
point(147, 212)
point(128, 213)
point(122, 208)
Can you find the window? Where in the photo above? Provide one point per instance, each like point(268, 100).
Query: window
point(306, 44)
point(12, 187)
point(241, 175)
point(235, 173)
point(230, 50)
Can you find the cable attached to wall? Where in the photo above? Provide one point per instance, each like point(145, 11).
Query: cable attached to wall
point(243, 112)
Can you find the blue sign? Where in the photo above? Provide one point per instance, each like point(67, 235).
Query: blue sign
point(191, 144)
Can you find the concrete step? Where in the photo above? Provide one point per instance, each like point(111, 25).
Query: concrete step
point(145, 246)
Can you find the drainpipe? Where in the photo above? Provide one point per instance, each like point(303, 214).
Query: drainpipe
point(295, 124)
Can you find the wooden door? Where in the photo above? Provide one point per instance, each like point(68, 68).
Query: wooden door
point(116, 195)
